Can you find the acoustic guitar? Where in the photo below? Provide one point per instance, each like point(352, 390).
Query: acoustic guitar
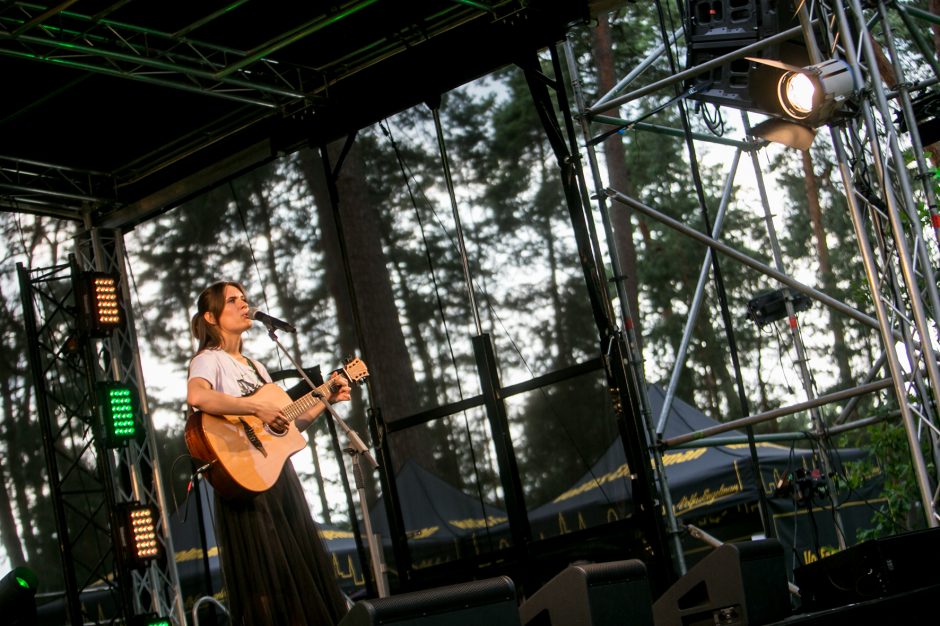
point(242, 455)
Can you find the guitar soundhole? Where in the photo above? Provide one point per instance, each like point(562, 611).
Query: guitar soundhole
point(275, 432)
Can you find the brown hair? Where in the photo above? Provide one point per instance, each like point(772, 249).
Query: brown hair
point(211, 300)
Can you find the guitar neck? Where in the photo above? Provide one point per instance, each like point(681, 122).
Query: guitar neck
point(309, 400)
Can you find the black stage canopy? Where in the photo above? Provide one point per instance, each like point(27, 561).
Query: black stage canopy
point(114, 110)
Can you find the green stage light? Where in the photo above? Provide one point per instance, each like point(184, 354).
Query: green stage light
point(118, 409)
point(149, 620)
point(18, 597)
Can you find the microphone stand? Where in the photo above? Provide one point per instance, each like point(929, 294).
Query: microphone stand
point(357, 450)
point(197, 486)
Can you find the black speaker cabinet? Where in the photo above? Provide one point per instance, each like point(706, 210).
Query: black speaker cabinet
point(737, 584)
point(727, 84)
point(742, 84)
point(711, 20)
point(596, 594)
point(871, 569)
point(490, 602)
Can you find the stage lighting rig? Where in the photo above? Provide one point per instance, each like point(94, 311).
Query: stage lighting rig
point(118, 407)
point(137, 525)
point(800, 99)
point(99, 298)
point(149, 620)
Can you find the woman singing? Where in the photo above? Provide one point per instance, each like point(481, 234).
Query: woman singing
point(275, 567)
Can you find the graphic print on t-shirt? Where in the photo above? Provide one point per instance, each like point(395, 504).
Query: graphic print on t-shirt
point(248, 387)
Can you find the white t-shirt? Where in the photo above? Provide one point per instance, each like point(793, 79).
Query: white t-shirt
point(227, 375)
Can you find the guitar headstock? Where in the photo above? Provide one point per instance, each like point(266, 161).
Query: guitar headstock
point(355, 370)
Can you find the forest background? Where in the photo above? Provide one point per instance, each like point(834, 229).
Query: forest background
point(273, 230)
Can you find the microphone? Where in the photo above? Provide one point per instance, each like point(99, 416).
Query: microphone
point(271, 322)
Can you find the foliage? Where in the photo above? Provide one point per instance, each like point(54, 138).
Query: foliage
point(407, 303)
point(27, 524)
point(891, 456)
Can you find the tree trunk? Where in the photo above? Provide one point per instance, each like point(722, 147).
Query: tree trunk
point(392, 380)
point(714, 355)
point(622, 218)
point(8, 532)
point(839, 348)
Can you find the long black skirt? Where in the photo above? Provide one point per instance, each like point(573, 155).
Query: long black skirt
point(275, 566)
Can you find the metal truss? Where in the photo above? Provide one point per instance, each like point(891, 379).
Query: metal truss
point(135, 466)
point(883, 202)
point(94, 43)
point(287, 74)
point(884, 196)
point(87, 480)
point(47, 189)
point(80, 486)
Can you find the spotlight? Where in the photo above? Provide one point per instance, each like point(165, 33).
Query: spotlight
point(138, 531)
point(771, 306)
point(796, 91)
point(814, 93)
point(799, 99)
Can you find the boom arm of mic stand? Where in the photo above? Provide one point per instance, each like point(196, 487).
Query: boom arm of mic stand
point(355, 442)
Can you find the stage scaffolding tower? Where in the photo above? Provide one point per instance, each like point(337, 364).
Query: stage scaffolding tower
point(88, 480)
point(897, 242)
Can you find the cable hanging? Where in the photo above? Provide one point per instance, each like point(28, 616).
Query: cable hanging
point(408, 176)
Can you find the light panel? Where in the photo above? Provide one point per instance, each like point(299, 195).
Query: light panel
point(101, 303)
point(138, 524)
point(118, 409)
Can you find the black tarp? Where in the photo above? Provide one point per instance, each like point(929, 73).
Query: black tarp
point(441, 522)
point(714, 487)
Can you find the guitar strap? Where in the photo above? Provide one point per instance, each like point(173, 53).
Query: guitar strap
point(251, 362)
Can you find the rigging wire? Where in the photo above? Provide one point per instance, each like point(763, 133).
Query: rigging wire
point(440, 305)
point(795, 559)
point(254, 260)
point(716, 123)
point(143, 319)
point(781, 350)
point(409, 175)
point(717, 273)
point(19, 227)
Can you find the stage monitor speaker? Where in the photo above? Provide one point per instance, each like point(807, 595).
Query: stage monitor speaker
point(737, 584)
point(725, 85)
point(742, 84)
point(869, 570)
point(596, 594)
point(491, 602)
point(711, 20)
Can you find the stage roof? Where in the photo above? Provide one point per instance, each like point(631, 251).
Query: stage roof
point(114, 110)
